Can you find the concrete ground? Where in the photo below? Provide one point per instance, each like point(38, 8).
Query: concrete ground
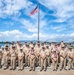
point(36, 72)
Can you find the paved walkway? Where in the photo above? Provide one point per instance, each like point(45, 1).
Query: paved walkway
point(36, 72)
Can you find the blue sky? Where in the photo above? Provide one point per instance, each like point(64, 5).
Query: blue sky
point(56, 20)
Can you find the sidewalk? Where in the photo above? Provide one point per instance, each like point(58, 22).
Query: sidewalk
point(36, 72)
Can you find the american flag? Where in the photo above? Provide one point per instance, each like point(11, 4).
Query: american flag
point(34, 11)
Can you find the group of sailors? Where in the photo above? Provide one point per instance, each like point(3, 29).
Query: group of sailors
point(31, 55)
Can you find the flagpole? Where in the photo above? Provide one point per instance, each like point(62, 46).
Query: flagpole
point(38, 21)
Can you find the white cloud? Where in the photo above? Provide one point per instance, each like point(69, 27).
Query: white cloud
point(64, 8)
point(71, 23)
point(10, 35)
point(31, 25)
point(58, 28)
point(9, 23)
point(13, 7)
point(16, 35)
point(1, 3)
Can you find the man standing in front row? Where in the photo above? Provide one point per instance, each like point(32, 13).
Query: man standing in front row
point(32, 59)
point(20, 59)
point(26, 52)
point(6, 57)
point(37, 53)
point(70, 59)
point(13, 58)
point(63, 55)
point(48, 55)
point(43, 59)
point(54, 57)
